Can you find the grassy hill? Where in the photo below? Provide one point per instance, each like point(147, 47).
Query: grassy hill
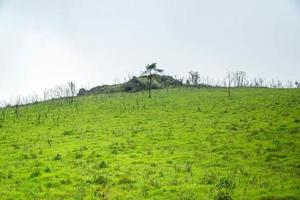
point(181, 144)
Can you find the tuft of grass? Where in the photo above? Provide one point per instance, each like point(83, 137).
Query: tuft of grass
point(125, 180)
point(47, 169)
point(102, 165)
point(35, 173)
point(223, 195)
point(208, 179)
point(225, 183)
point(57, 157)
point(100, 180)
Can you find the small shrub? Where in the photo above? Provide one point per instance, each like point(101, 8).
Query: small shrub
point(83, 148)
point(175, 181)
point(188, 167)
point(169, 161)
point(102, 164)
point(49, 185)
point(9, 174)
point(223, 195)
point(154, 183)
point(65, 182)
point(47, 169)
point(68, 132)
point(208, 179)
point(145, 191)
point(33, 156)
point(57, 157)
point(101, 193)
point(225, 183)
point(78, 155)
point(101, 180)
point(125, 180)
point(15, 146)
point(114, 151)
point(153, 164)
point(36, 173)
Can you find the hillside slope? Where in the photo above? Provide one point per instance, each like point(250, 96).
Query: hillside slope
point(181, 144)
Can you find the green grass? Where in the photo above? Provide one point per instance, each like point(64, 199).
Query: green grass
point(181, 144)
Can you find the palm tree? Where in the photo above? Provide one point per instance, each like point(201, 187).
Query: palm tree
point(150, 71)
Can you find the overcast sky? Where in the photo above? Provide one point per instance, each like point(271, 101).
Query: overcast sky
point(48, 42)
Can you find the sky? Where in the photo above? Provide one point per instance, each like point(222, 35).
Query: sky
point(44, 43)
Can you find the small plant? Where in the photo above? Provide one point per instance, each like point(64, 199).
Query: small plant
point(38, 118)
point(33, 156)
point(154, 183)
point(49, 141)
point(47, 169)
point(65, 181)
point(10, 174)
point(68, 132)
point(224, 187)
point(102, 164)
point(49, 185)
point(125, 180)
point(188, 167)
point(225, 183)
point(208, 179)
point(114, 151)
point(83, 148)
point(102, 180)
point(15, 146)
point(101, 193)
point(78, 155)
point(57, 157)
point(36, 173)
point(223, 195)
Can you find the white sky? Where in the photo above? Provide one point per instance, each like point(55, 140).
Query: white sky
point(48, 42)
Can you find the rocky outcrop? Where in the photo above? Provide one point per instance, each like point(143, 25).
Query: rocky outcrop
point(134, 85)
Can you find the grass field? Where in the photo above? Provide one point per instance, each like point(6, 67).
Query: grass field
point(181, 144)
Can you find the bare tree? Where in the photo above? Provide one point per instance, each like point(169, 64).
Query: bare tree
point(35, 98)
point(228, 81)
point(59, 91)
point(289, 84)
point(150, 71)
point(194, 78)
point(272, 84)
point(279, 84)
point(18, 102)
point(188, 82)
point(72, 90)
point(258, 82)
point(239, 78)
point(46, 95)
point(261, 82)
point(180, 81)
point(247, 83)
